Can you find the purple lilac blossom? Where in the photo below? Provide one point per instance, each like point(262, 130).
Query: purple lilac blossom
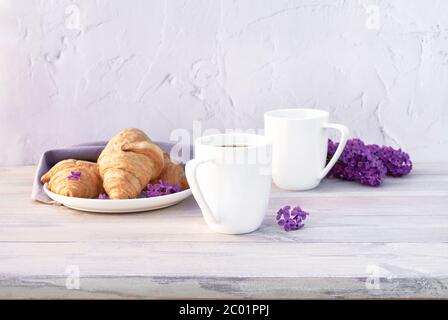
point(397, 162)
point(291, 220)
point(74, 175)
point(357, 163)
point(368, 164)
point(160, 189)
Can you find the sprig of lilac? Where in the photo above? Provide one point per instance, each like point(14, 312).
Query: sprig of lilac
point(74, 175)
point(397, 162)
point(368, 164)
point(153, 190)
point(357, 163)
point(160, 189)
point(291, 220)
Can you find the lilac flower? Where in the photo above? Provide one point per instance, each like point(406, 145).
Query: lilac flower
point(291, 220)
point(397, 162)
point(368, 164)
point(357, 163)
point(74, 175)
point(160, 189)
point(103, 196)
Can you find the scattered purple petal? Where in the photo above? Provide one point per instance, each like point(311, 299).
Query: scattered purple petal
point(74, 175)
point(291, 220)
point(103, 196)
point(160, 189)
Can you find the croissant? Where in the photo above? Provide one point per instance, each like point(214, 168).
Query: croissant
point(128, 162)
point(173, 173)
point(74, 178)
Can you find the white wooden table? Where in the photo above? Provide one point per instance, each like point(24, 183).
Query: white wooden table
point(359, 241)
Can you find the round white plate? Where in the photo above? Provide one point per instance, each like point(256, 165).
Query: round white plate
point(119, 206)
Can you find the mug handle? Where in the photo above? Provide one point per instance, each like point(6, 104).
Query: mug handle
point(190, 172)
point(344, 136)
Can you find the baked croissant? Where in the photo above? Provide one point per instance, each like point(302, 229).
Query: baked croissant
point(74, 178)
point(173, 173)
point(128, 162)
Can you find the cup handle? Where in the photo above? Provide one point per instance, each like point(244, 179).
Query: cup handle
point(190, 172)
point(344, 136)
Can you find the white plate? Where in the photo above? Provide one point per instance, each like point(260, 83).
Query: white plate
point(119, 206)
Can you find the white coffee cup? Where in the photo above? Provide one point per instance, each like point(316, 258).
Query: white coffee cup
point(299, 146)
point(230, 178)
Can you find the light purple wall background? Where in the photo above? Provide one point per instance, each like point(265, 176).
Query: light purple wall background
point(76, 71)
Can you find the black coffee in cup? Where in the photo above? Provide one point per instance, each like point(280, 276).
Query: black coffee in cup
point(233, 146)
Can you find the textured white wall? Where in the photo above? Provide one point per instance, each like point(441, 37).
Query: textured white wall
point(74, 71)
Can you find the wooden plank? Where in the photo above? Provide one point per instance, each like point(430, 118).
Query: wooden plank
point(425, 179)
point(320, 227)
point(226, 259)
point(363, 219)
point(219, 288)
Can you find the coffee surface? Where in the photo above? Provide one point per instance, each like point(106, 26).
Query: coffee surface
point(232, 146)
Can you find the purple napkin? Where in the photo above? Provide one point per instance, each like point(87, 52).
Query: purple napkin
point(86, 151)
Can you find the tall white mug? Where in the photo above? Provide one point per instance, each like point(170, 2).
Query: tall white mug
point(300, 141)
point(230, 178)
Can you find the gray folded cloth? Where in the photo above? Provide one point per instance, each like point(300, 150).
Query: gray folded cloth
point(86, 151)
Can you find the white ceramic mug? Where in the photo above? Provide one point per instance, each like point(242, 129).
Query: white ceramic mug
point(230, 178)
point(300, 142)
